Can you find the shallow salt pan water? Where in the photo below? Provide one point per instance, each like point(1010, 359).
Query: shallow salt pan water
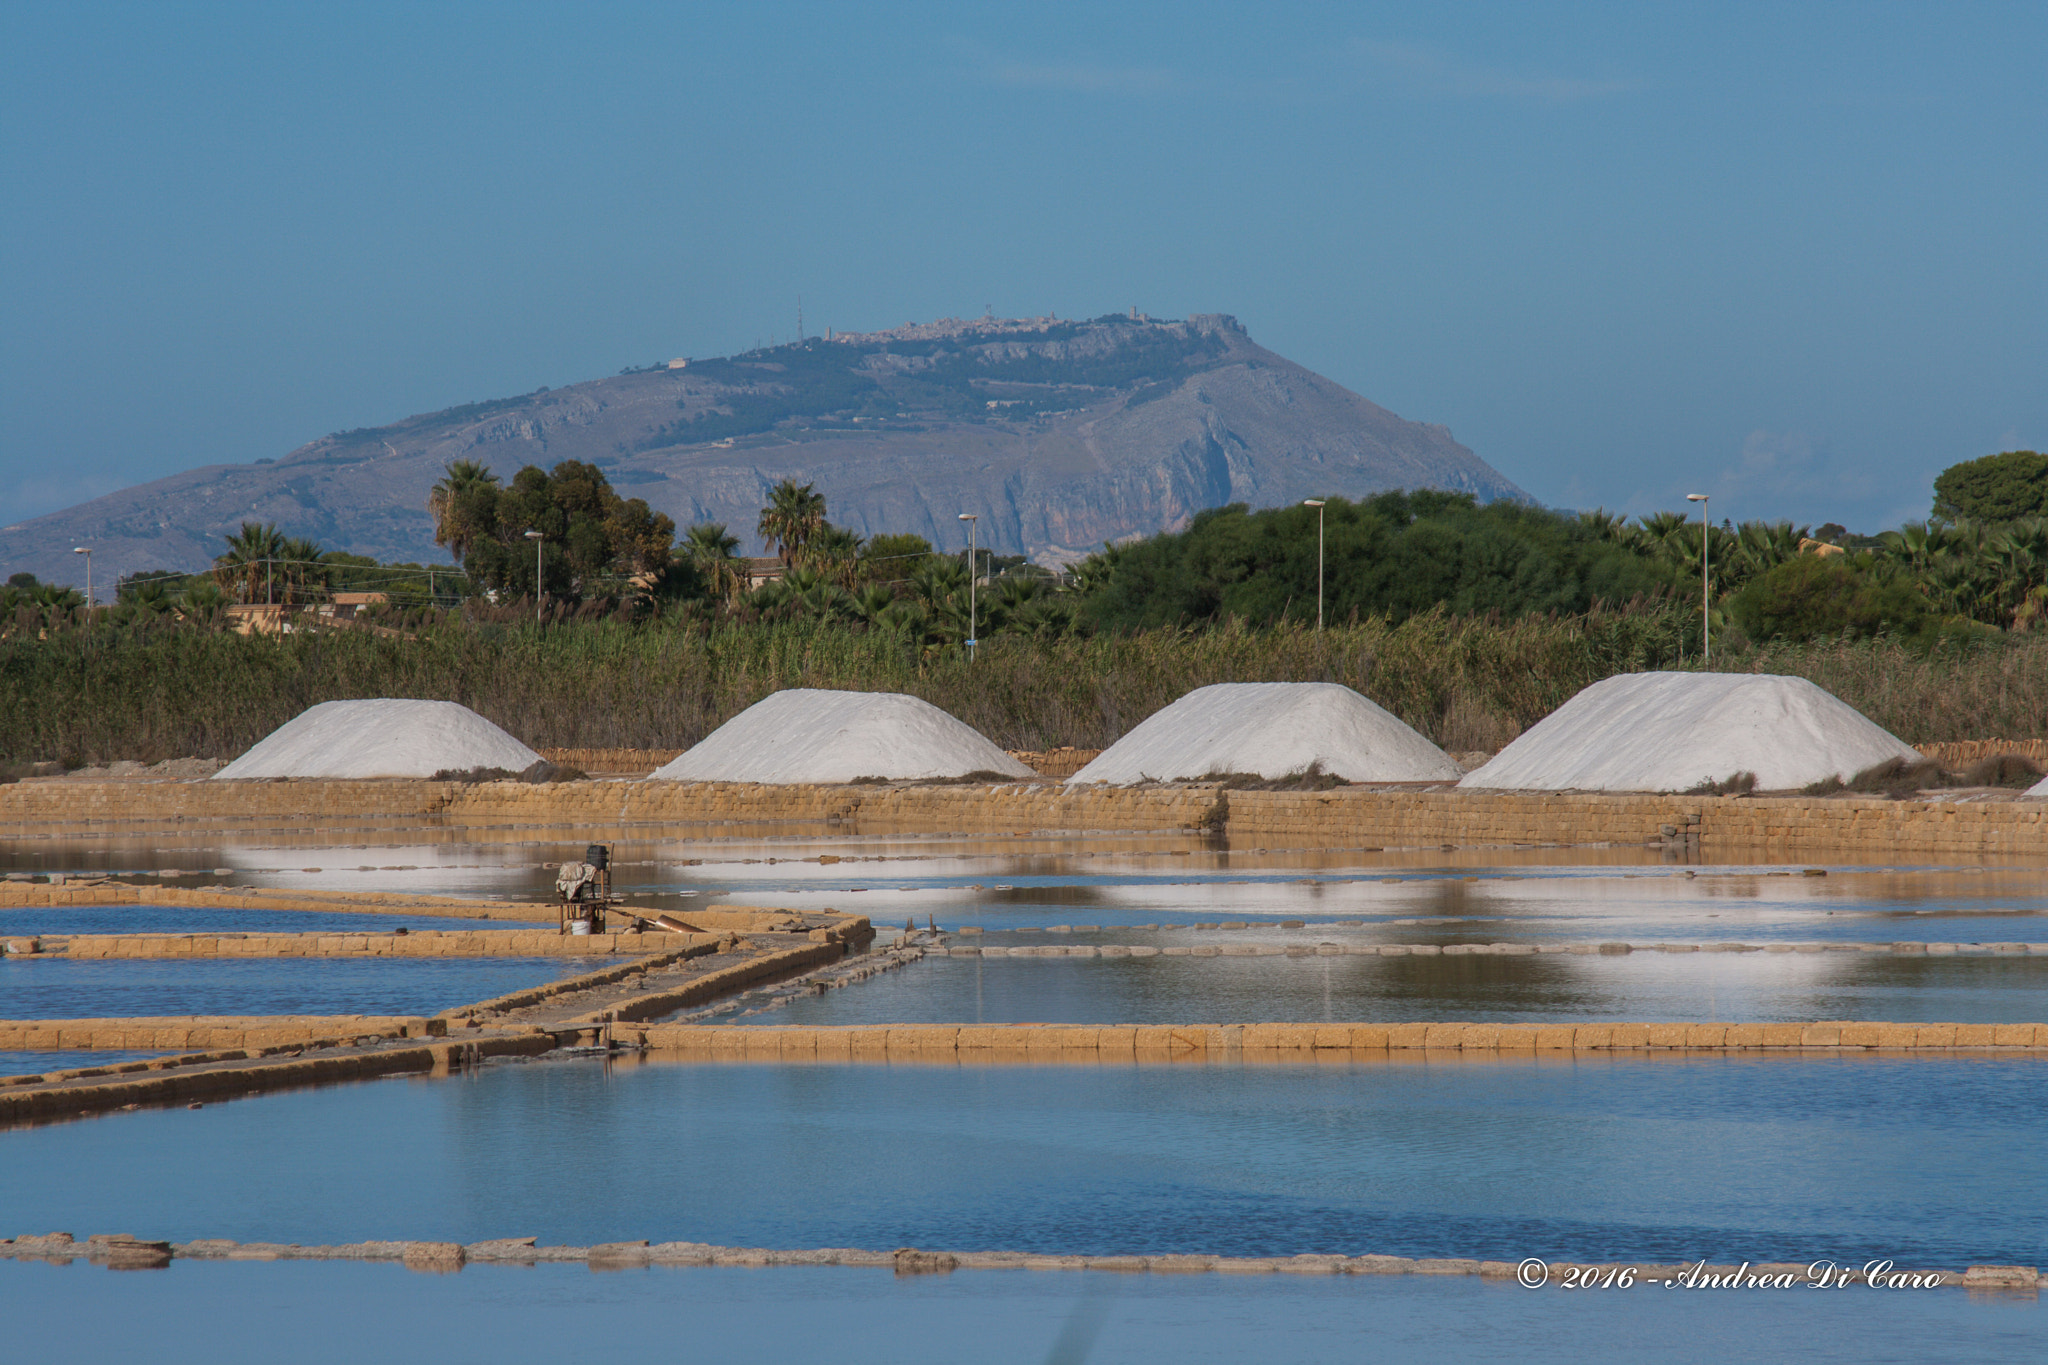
point(187, 919)
point(1718, 987)
point(225, 1313)
point(1926, 1160)
point(34, 988)
point(66, 1059)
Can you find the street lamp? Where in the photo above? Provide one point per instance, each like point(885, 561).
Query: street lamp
point(973, 560)
point(86, 550)
point(1317, 503)
point(536, 537)
point(1706, 594)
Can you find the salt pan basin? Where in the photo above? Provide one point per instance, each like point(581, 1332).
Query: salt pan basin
point(809, 734)
point(380, 737)
point(1666, 732)
point(1273, 730)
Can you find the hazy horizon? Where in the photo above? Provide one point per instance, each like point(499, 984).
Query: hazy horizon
point(1791, 259)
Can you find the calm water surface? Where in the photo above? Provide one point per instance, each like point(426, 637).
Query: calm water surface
point(231, 1312)
point(1931, 1161)
point(37, 988)
point(1744, 988)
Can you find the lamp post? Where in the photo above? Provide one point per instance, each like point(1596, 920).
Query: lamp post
point(1706, 593)
point(973, 566)
point(1317, 503)
point(537, 538)
point(86, 550)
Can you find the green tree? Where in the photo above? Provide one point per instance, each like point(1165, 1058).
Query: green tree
point(247, 569)
point(1809, 596)
point(794, 514)
point(454, 503)
point(1997, 488)
point(593, 542)
point(713, 553)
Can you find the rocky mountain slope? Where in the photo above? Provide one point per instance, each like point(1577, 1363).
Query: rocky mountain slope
point(1058, 435)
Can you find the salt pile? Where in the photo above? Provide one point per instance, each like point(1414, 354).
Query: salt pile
point(1667, 732)
point(1273, 730)
point(808, 734)
point(384, 737)
point(2038, 789)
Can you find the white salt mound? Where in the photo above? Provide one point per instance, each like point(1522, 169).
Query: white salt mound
point(384, 737)
point(2038, 789)
point(1668, 732)
point(1273, 730)
point(808, 734)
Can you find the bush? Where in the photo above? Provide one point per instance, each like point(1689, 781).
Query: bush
point(1811, 597)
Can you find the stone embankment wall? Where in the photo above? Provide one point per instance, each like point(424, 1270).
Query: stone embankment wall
point(1171, 1042)
point(1347, 815)
point(1963, 752)
point(179, 1033)
point(420, 943)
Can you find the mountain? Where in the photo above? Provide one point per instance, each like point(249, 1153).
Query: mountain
point(1058, 435)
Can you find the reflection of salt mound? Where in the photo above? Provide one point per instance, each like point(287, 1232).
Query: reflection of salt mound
point(381, 738)
point(1273, 730)
point(1672, 731)
point(807, 734)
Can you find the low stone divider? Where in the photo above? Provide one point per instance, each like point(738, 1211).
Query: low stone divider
point(184, 1033)
point(416, 943)
point(445, 1257)
point(1127, 1042)
point(1381, 817)
point(713, 984)
point(194, 1079)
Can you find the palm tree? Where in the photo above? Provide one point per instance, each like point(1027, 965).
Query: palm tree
point(444, 502)
point(710, 551)
point(793, 515)
point(301, 567)
point(835, 552)
point(248, 560)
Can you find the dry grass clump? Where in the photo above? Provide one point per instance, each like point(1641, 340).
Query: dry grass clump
point(541, 771)
point(1309, 779)
point(1736, 784)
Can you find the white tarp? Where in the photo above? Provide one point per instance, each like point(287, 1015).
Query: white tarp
point(1273, 730)
point(808, 734)
point(383, 737)
point(1669, 732)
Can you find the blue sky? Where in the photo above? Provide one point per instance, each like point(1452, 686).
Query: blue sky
point(1792, 255)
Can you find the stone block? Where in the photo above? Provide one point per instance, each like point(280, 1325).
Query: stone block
point(2013, 1035)
point(1975, 1035)
point(1667, 1035)
point(1782, 1035)
point(1861, 1035)
point(1556, 1038)
point(1821, 1035)
point(1935, 1035)
point(1407, 1035)
point(1586, 1036)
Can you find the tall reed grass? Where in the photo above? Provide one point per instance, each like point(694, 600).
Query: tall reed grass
point(1467, 683)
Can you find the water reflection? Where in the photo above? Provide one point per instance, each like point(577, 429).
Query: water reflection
point(1749, 988)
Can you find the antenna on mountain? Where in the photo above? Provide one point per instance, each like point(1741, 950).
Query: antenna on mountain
point(988, 310)
point(799, 318)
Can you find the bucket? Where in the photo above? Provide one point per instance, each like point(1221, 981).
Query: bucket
point(579, 928)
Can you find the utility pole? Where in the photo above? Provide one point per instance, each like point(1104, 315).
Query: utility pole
point(1706, 592)
point(538, 540)
point(973, 572)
